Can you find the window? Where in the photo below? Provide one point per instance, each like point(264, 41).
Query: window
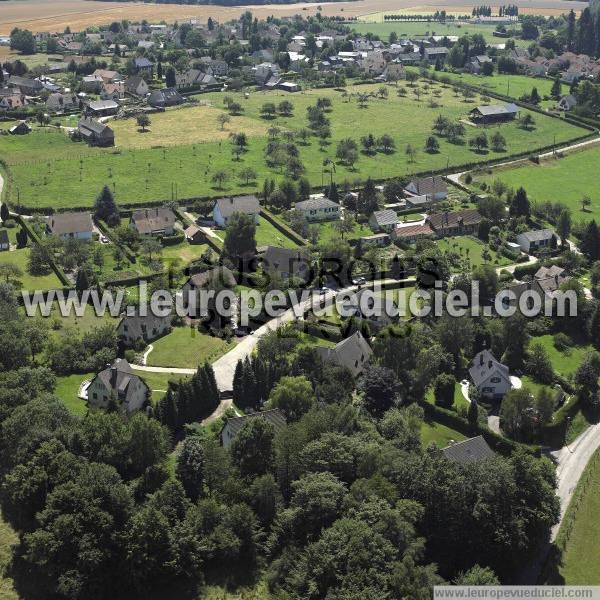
point(95, 396)
point(495, 379)
point(487, 390)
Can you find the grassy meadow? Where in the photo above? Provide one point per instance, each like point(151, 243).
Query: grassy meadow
point(565, 180)
point(75, 173)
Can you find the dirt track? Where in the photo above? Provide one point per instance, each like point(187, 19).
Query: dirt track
point(55, 15)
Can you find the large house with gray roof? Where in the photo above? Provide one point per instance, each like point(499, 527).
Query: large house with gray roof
point(489, 376)
point(494, 113)
point(118, 384)
point(134, 328)
point(153, 221)
point(70, 225)
point(225, 207)
point(468, 451)
point(383, 220)
point(434, 188)
point(96, 133)
point(537, 240)
point(318, 209)
point(353, 353)
point(233, 426)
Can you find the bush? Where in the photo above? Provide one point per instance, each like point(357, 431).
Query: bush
point(562, 342)
point(443, 387)
point(173, 240)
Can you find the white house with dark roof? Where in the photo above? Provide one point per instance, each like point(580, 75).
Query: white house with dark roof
point(233, 425)
point(153, 221)
point(318, 209)
point(132, 328)
point(70, 225)
point(537, 240)
point(434, 188)
point(120, 385)
point(489, 376)
point(225, 207)
point(353, 353)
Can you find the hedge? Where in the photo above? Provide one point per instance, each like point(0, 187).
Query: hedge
point(172, 240)
point(284, 229)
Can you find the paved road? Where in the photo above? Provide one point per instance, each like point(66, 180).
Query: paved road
point(571, 462)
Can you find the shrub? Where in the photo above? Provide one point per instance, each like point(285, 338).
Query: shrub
point(562, 342)
point(443, 387)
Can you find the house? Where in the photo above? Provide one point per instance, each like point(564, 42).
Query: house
point(225, 207)
point(153, 221)
point(95, 133)
point(286, 263)
point(489, 376)
point(194, 235)
point(318, 208)
point(432, 55)
point(434, 188)
point(25, 85)
point(20, 128)
point(353, 353)
point(477, 62)
point(113, 91)
point(460, 222)
point(204, 280)
point(137, 86)
point(567, 102)
point(108, 76)
point(549, 279)
point(538, 240)
point(164, 98)
point(61, 102)
point(234, 424)
point(421, 202)
point(143, 65)
point(379, 239)
point(70, 225)
point(102, 108)
point(412, 233)
point(13, 101)
point(92, 84)
point(468, 451)
point(288, 86)
point(4, 241)
point(494, 113)
point(393, 71)
point(132, 328)
point(194, 78)
point(118, 384)
point(383, 220)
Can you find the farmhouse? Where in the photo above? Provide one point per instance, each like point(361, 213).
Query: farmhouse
point(143, 65)
point(132, 328)
point(383, 220)
point(102, 108)
point(13, 101)
point(113, 91)
point(233, 425)
point(494, 113)
point(70, 225)
point(153, 221)
point(412, 233)
point(538, 240)
point(96, 133)
point(59, 102)
point(353, 353)
point(119, 385)
point(20, 128)
point(286, 263)
point(194, 78)
point(468, 451)
point(25, 85)
point(318, 209)
point(225, 207)
point(164, 98)
point(489, 376)
point(434, 188)
point(91, 84)
point(460, 222)
point(422, 202)
point(4, 241)
point(108, 76)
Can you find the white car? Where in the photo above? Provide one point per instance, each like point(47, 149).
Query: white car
point(103, 239)
point(359, 281)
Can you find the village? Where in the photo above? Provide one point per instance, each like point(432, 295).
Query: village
point(384, 159)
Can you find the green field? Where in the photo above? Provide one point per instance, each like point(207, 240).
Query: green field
point(565, 180)
point(75, 173)
point(328, 231)
point(425, 29)
point(67, 389)
point(268, 235)
point(20, 258)
point(186, 348)
point(581, 556)
point(564, 363)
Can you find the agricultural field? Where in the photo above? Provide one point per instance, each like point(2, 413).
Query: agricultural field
point(76, 173)
point(199, 347)
point(565, 180)
point(581, 556)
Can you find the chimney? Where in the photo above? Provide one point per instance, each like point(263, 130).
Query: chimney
point(147, 213)
point(113, 376)
point(231, 199)
point(481, 358)
point(556, 279)
point(489, 364)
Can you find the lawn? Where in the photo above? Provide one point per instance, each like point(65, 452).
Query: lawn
point(328, 231)
point(565, 180)
point(565, 363)
point(267, 235)
point(432, 432)
point(20, 258)
point(187, 348)
point(76, 173)
point(184, 252)
point(581, 555)
point(183, 126)
point(470, 250)
point(460, 402)
point(67, 389)
point(158, 382)
point(88, 321)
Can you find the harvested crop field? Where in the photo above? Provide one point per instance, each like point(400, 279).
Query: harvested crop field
point(55, 15)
